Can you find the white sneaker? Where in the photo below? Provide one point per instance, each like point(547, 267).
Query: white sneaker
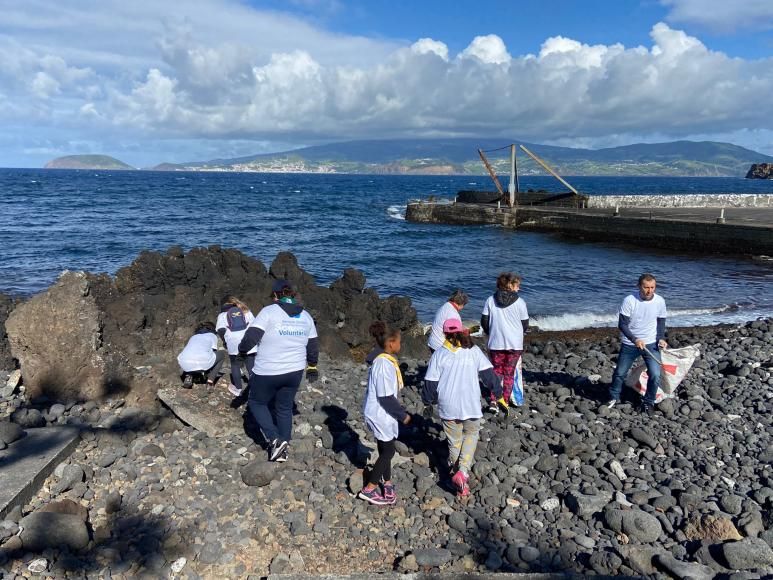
point(233, 390)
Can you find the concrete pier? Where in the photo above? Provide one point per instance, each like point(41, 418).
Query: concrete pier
point(744, 229)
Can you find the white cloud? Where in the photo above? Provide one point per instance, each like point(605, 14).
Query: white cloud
point(488, 49)
point(430, 46)
point(722, 15)
point(218, 70)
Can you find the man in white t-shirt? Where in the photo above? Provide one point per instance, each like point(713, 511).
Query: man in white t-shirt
point(505, 320)
point(642, 324)
point(449, 311)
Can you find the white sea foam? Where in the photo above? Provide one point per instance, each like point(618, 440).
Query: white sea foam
point(676, 317)
point(397, 212)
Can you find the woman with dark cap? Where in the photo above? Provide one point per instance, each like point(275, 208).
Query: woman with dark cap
point(287, 343)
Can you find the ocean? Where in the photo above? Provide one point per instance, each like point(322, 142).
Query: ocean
point(52, 220)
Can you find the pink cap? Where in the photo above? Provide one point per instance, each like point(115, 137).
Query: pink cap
point(452, 325)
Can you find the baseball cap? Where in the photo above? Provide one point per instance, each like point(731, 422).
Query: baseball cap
point(280, 285)
point(452, 325)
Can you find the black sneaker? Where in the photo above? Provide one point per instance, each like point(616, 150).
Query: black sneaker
point(277, 447)
point(188, 382)
point(282, 457)
point(646, 409)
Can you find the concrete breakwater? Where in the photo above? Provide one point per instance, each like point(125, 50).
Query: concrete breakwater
point(707, 200)
point(715, 229)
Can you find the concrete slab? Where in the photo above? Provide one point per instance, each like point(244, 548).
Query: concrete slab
point(206, 409)
point(26, 463)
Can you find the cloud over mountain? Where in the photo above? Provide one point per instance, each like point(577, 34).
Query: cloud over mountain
point(221, 70)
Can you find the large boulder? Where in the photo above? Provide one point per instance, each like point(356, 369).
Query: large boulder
point(57, 337)
point(760, 171)
point(90, 336)
point(43, 530)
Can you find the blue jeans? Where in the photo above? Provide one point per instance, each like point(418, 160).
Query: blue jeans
point(626, 358)
point(279, 389)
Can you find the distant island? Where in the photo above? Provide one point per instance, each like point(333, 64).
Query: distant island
point(87, 162)
point(460, 157)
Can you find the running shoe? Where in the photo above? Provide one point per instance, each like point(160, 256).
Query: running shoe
point(389, 493)
point(188, 382)
point(277, 447)
point(373, 496)
point(233, 390)
point(611, 403)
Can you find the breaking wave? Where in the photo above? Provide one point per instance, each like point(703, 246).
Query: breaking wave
point(397, 212)
point(676, 317)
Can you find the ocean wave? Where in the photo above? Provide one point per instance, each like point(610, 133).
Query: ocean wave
point(397, 212)
point(685, 316)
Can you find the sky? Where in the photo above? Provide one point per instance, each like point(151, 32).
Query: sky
point(150, 82)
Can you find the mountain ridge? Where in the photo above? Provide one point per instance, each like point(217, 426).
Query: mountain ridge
point(459, 156)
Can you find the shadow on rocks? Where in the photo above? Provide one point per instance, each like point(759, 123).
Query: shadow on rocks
point(344, 438)
point(129, 542)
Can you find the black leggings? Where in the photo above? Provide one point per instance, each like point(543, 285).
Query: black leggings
point(383, 465)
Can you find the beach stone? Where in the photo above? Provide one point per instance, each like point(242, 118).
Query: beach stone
point(259, 473)
point(732, 504)
point(617, 469)
point(67, 506)
point(747, 554)
point(38, 566)
point(684, 570)
point(10, 432)
point(643, 437)
point(711, 528)
point(42, 530)
point(636, 524)
point(432, 557)
point(71, 476)
point(152, 450)
point(586, 505)
point(28, 418)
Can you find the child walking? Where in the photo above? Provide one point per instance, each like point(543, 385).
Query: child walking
point(383, 413)
point(505, 319)
point(201, 356)
point(232, 322)
point(452, 382)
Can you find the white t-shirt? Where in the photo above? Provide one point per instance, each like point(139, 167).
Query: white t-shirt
point(234, 337)
point(382, 382)
point(436, 336)
point(283, 346)
point(199, 353)
point(643, 316)
point(505, 328)
point(457, 375)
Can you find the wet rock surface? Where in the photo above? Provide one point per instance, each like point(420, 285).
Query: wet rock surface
point(562, 484)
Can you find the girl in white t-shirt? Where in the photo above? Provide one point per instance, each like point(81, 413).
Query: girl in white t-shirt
point(383, 413)
point(232, 322)
point(201, 356)
point(451, 309)
point(505, 320)
point(452, 381)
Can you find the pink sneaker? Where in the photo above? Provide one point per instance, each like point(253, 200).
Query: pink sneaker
point(372, 496)
point(460, 480)
point(389, 493)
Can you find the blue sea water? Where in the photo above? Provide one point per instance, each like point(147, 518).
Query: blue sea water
point(52, 220)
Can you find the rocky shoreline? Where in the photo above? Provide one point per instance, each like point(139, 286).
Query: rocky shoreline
point(561, 485)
